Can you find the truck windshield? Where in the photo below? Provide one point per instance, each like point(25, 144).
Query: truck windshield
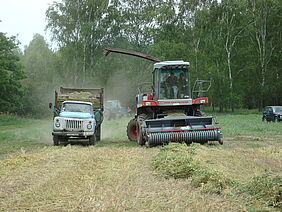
point(77, 107)
point(174, 84)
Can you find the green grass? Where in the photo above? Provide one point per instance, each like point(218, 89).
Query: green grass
point(17, 132)
point(247, 125)
point(267, 187)
point(10, 119)
point(176, 160)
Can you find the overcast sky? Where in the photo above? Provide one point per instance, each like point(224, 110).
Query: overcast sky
point(24, 18)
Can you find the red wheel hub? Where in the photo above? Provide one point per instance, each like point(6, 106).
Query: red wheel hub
point(133, 131)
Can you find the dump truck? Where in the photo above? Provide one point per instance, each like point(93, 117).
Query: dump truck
point(77, 114)
point(169, 112)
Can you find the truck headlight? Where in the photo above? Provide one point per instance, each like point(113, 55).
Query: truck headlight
point(57, 124)
point(89, 126)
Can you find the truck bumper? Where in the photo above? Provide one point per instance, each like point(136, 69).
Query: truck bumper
point(73, 134)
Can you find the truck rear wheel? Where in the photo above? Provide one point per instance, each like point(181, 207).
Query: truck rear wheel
point(132, 130)
point(92, 140)
point(98, 133)
point(56, 140)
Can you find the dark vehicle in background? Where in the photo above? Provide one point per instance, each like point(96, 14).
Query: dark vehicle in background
point(114, 109)
point(272, 113)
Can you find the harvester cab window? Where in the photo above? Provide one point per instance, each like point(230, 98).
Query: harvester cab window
point(174, 84)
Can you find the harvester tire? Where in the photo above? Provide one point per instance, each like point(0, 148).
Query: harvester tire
point(56, 140)
point(140, 138)
point(148, 145)
point(92, 140)
point(220, 141)
point(132, 130)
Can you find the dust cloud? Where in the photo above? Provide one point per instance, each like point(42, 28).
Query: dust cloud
point(122, 88)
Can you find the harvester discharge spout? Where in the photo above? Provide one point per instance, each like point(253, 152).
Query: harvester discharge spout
point(132, 53)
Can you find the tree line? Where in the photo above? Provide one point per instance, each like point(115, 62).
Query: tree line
point(238, 42)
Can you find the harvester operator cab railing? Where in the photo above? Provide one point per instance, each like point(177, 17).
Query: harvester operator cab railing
point(201, 87)
point(171, 80)
point(145, 92)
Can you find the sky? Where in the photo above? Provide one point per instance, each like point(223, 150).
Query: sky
point(24, 18)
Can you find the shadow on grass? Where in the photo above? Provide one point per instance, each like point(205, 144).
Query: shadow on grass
point(103, 143)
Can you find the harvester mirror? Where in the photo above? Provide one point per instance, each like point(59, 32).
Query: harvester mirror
point(215, 120)
point(209, 76)
point(50, 105)
point(153, 89)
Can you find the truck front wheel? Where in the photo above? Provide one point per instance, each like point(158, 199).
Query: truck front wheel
point(92, 140)
point(56, 141)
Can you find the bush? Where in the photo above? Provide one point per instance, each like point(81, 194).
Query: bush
point(267, 187)
point(176, 160)
point(210, 181)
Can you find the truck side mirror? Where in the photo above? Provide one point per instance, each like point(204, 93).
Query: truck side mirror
point(50, 105)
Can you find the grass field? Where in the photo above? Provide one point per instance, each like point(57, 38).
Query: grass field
point(118, 175)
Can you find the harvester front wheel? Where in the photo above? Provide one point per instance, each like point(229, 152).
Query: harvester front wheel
point(132, 130)
point(148, 145)
point(220, 141)
point(140, 138)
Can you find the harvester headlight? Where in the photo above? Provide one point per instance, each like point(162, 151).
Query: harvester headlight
point(89, 126)
point(148, 103)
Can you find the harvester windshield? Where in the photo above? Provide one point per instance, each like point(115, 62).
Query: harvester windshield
point(174, 84)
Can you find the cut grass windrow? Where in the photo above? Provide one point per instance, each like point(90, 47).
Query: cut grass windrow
point(179, 161)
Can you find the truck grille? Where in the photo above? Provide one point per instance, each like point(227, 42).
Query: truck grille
point(74, 124)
